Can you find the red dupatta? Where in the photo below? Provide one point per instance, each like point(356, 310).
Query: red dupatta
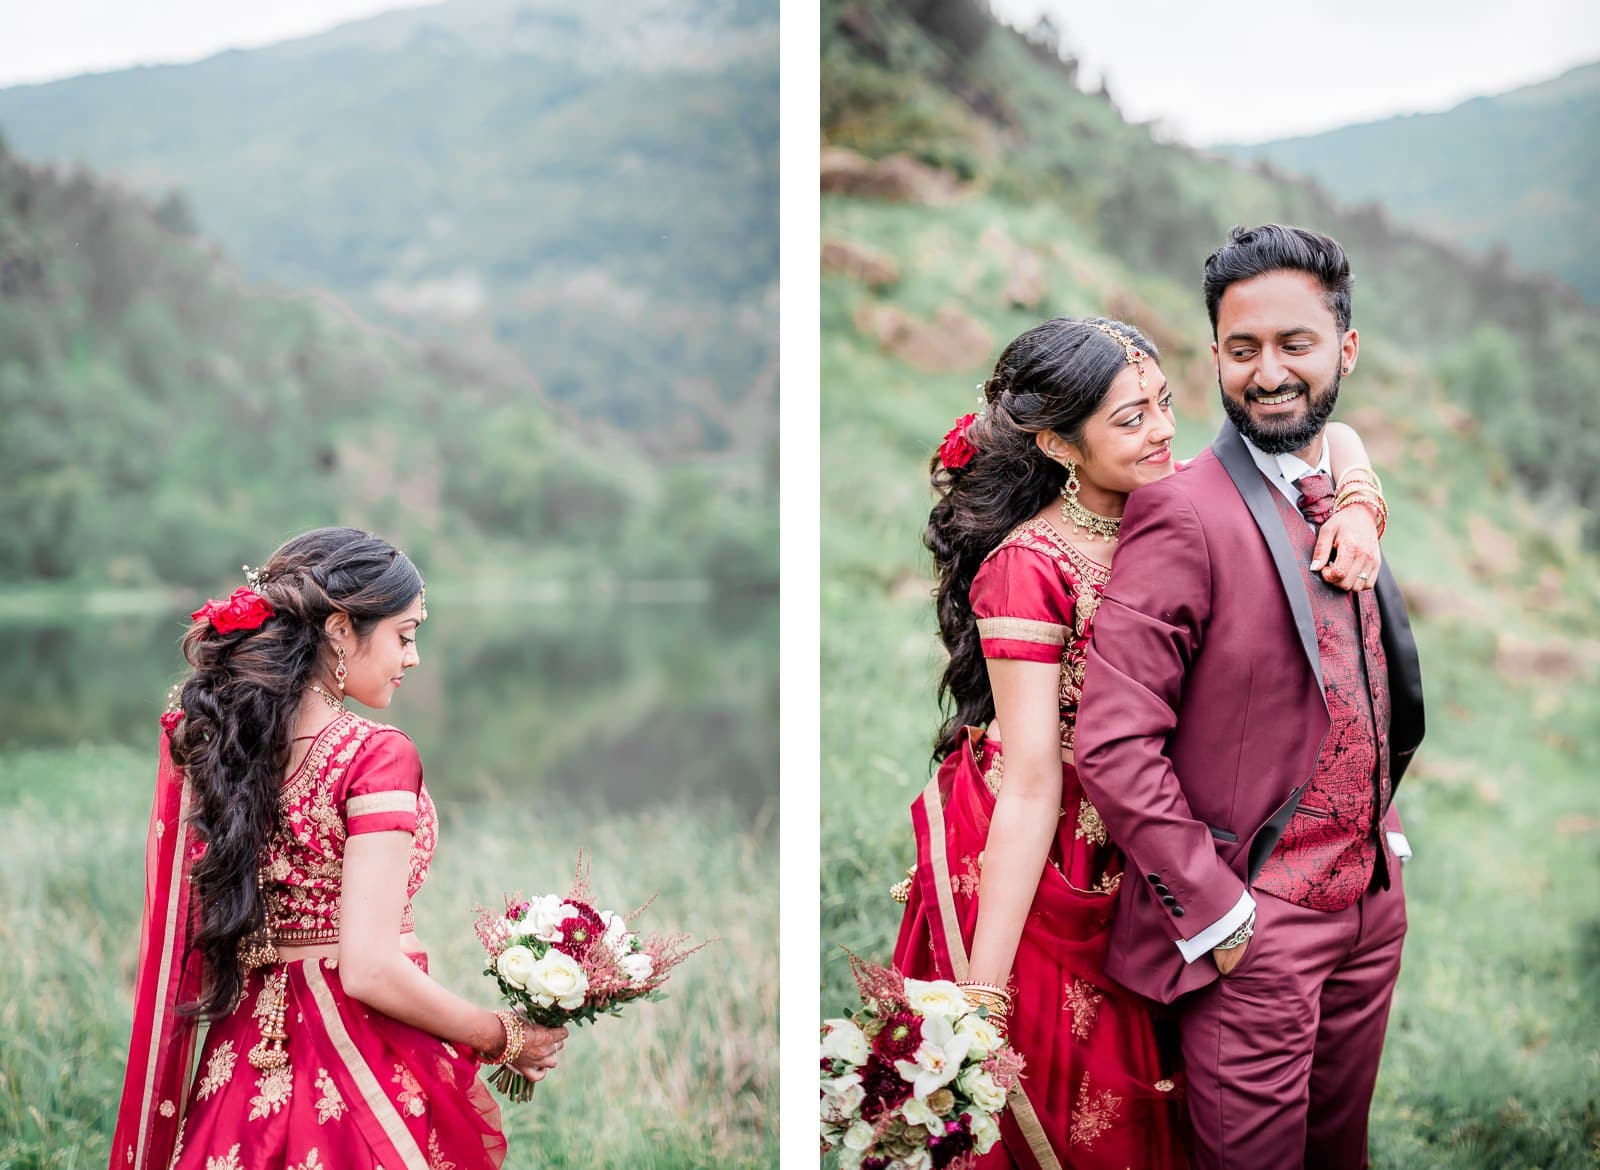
point(154, 1091)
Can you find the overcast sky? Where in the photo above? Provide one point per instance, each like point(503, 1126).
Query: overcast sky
point(47, 39)
point(1250, 70)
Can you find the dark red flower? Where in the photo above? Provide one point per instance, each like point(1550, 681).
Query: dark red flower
point(884, 1087)
point(245, 609)
point(954, 1143)
point(170, 719)
point(581, 931)
point(899, 1038)
point(956, 450)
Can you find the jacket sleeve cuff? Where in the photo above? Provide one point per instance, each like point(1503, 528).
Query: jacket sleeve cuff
point(1201, 944)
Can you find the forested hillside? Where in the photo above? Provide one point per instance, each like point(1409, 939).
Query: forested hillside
point(1002, 114)
point(161, 415)
point(1515, 172)
point(591, 192)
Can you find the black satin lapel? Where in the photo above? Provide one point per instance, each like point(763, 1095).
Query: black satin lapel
point(1254, 489)
point(1405, 673)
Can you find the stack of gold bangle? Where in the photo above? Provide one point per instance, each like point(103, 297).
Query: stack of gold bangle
point(996, 1001)
point(515, 1039)
point(1360, 485)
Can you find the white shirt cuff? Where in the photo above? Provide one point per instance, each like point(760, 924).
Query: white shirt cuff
point(1399, 846)
point(1201, 944)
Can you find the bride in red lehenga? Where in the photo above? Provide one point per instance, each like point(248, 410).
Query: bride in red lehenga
point(286, 842)
point(1013, 890)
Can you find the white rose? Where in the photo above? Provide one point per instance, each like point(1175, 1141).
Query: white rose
point(516, 965)
point(985, 1130)
point(841, 1097)
point(937, 997)
point(558, 979)
point(858, 1136)
point(545, 914)
point(616, 936)
point(985, 1037)
point(842, 1040)
point(637, 966)
point(984, 1092)
point(921, 1160)
point(917, 1111)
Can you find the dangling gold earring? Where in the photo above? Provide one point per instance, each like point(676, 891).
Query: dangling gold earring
point(340, 671)
point(1069, 490)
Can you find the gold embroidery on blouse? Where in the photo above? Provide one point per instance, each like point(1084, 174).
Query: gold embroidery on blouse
point(996, 774)
point(219, 1069)
point(273, 1093)
point(1093, 1114)
point(330, 1106)
point(380, 802)
point(1107, 883)
point(1090, 827)
point(1165, 1086)
point(1015, 629)
point(1083, 1001)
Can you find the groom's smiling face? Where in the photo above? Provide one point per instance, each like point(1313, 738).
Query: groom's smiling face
point(1280, 355)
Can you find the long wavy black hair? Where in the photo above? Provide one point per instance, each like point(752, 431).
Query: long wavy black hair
point(239, 703)
point(1051, 378)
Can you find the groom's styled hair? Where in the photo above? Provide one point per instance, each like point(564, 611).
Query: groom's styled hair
point(1274, 247)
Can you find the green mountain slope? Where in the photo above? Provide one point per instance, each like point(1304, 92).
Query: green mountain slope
point(1015, 197)
point(593, 191)
point(161, 415)
point(1517, 171)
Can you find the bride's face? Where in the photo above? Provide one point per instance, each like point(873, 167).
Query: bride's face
point(1128, 441)
point(375, 667)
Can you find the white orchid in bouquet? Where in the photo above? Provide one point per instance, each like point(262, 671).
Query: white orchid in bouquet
point(561, 962)
point(914, 1080)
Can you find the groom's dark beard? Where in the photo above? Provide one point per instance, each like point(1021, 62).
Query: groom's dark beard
point(1291, 435)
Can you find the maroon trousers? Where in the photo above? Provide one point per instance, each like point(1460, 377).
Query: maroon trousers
point(1282, 1055)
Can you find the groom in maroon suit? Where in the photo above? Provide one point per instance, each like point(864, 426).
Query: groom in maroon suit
point(1242, 730)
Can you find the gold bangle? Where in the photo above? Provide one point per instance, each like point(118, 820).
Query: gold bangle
point(515, 1039)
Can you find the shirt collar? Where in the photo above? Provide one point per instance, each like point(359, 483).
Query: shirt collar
point(1283, 470)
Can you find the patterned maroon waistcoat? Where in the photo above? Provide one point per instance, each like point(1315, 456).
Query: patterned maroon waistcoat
point(1326, 856)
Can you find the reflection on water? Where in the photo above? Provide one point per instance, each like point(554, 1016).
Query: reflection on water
point(618, 705)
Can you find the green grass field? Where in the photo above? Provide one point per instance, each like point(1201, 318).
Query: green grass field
point(684, 1083)
point(1493, 1053)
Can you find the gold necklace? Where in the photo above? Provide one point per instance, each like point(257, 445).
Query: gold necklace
point(1082, 520)
point(327, 697)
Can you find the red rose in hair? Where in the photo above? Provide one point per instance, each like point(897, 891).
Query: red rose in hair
point(956, 450)
point(245, 609)
point(170, 719)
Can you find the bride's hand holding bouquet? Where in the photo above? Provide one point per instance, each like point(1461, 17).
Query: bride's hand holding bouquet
point(559, 961)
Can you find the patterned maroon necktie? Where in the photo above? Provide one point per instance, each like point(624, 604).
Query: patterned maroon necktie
point(1316, 496)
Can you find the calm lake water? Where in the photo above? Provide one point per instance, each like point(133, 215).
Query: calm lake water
point(620, 705)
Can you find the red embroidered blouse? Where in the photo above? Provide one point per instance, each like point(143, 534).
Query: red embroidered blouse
point(358, 777)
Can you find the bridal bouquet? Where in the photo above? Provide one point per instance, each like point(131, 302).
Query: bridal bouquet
point(916, 1079)
point(559, 961)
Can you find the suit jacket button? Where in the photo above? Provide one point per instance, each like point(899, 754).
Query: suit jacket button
point(1161, 887)
point(1169, 899)
point(1177, 911)
point(1154, 878)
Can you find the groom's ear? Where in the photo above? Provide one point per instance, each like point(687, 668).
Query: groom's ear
point(1347, 351)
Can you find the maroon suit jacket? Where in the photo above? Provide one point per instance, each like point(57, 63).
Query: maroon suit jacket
point(1203, 712)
